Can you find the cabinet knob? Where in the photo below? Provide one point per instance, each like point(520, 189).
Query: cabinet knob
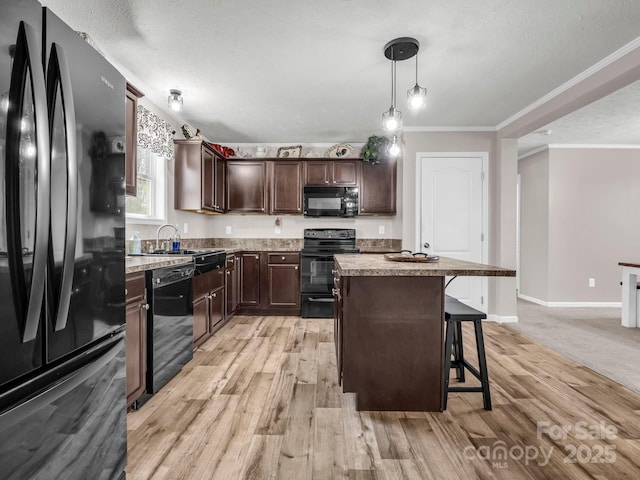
point(326, 181)
point(257, 256)
point(126, 292)
point(215, 295)
point(228, 272)
point(295, 268)
point(145, 306)
point(283, 258)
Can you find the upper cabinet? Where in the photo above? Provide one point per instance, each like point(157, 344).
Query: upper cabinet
point(286, 186)
point(199, 177)
point(331, 172)
point(378, 188)
point(131, 139)
point(246, 186)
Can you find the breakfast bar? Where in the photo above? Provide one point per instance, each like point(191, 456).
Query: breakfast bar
point(389, 320)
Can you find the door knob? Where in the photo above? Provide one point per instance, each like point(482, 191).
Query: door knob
point(426, 245)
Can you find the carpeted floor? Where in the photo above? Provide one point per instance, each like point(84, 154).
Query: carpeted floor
point(592, 337)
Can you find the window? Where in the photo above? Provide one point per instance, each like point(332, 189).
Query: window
point(149, 205)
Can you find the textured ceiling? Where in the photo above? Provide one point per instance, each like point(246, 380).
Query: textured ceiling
point(314, 71)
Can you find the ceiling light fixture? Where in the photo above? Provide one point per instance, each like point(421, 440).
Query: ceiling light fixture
point(396, 50)
point(175, 100)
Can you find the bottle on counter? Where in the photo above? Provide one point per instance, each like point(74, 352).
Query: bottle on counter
point(176, 242)
point(135, 244)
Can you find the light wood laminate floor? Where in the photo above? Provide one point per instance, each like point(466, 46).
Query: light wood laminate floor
point(260, 400)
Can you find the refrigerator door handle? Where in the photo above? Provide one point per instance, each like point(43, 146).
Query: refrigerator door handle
point(58, 75)
point(28, 55)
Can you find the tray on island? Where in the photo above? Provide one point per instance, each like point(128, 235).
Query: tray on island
point(407, 256)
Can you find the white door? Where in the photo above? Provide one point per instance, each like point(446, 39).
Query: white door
point(451, 215)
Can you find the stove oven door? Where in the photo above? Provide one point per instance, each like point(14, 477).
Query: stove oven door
point(316, 273)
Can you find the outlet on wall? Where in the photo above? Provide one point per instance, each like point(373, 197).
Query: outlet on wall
point(381, 229)
point(185, 228)
point(592, 282)
point(228, 230)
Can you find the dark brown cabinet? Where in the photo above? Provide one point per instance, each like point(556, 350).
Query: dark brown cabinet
point(131, 139)
point(331, 172)
point(199, 177)
point(269, 283)
point(378, 188)
point(136, 336)
point(337, 323)
point(208, 305)
point(286, 187)
point(246, 186)
point(283, 270)
point(250, 279)
point(231, 287)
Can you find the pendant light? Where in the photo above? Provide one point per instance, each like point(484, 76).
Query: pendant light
point(175, 100)
point(392, 118)
point(417, 96)
point(393, 148)
point(396, 50)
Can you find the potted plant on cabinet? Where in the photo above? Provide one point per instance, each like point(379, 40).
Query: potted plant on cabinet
point(375, 150)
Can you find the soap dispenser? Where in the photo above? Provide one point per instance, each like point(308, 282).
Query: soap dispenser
point(135, 245)
point(176, 242)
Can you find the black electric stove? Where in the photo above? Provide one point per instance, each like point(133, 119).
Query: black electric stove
point(316, 269)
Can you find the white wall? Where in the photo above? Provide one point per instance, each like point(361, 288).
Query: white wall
point(584, 201)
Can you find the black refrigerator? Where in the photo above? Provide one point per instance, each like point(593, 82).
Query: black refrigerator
point(62, 279)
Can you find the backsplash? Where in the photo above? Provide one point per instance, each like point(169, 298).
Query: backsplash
point(364, 244)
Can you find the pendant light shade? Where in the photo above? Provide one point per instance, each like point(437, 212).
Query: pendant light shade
point(175, 100)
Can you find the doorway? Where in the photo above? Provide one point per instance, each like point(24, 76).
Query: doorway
point(452, 215)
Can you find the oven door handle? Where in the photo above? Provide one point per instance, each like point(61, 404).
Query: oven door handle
point(321, 300)
point(318, 256)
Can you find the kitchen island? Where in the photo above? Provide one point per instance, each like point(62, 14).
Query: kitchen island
point(389, 319)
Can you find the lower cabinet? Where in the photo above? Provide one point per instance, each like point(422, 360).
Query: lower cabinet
point(136, 336)
point(231, 287)
point(208, 305)
point(269, 283)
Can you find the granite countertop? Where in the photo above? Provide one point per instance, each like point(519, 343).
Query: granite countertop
point(140, 263)
point(355, 265)
point(629, 264)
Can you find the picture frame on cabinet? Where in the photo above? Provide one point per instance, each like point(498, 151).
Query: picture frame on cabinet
point(289, 152)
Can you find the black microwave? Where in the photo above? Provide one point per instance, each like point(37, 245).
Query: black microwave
point(330, 201)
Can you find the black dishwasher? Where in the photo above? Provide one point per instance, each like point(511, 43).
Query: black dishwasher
point(169, 324)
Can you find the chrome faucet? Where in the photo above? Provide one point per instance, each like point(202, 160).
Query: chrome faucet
point(158, 233)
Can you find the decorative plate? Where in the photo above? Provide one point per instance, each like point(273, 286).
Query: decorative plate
point(418, 257)
point(341, 150)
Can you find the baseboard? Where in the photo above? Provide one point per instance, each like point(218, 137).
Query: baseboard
point(492, 317)
point(569, 304)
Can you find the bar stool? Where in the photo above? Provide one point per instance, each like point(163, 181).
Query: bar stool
point(456, 312)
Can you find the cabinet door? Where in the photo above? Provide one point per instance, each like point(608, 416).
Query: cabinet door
point(219, 184)
point(200, 320)
point(284, 285)
point(249, 279)
point(286, 187)
point(345, 173)
point(231, 287)
point(337, 325)
point(246, 186)
point(378, 189)
point(208, 180)
point(136, 337)
point(216, 308)
point(316, 173)
point(131, 140)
